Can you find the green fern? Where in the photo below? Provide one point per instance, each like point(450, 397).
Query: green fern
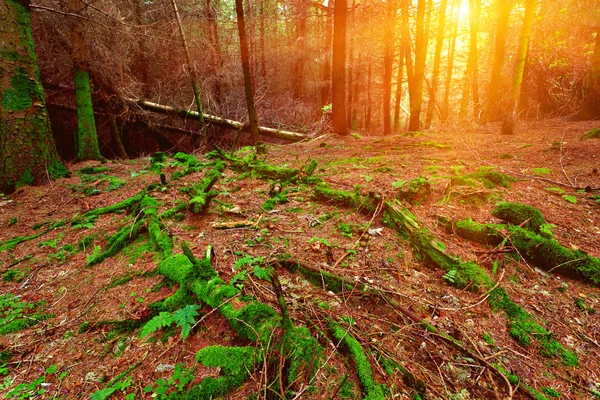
point(451, 276)
point(184, 318)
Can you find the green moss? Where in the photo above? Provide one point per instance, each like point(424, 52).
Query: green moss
point(116, 243)
point(280, 198)
point(593, 133)
point(12, 243)
point(26, 178)
point(354, 199)
point(416, 192)
point(551, 392)
point(517, 214)
point(22, 93)
point(364, 372)
point(487, 176)
point(93, 170)
point(87, 139)
point(235, 364)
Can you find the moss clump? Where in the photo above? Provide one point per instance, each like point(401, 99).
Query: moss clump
point(235, 363)
point(593, 133)
point(93, 170)
point(487, 176)
point(12, 243)
point(280, 198)
point(364, 372)
point(191, 164)
point(87, 139)
point(362, 204)
point(201, 193)
point(22, 93)
point(416, 192)
point(517, 214)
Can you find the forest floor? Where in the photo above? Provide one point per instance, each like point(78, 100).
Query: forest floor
point(72, 308)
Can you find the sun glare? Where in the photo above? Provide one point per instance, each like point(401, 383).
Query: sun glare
point(463, 11)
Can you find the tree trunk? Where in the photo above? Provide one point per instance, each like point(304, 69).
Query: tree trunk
point(351, 72)
point(191, 70)
point(263, 62)
point(398, 99)
point(508, 126)
point(407, 48)
point(252, 116)
point(493, 100)
point(338, 79)
point(590, 108)
point(115, 133)
point(450, 67)
point(87, 138)
point(215, 51)
point(388, 61)
point(419, 73)
point(369, 105)
point(27, 150)
point(470, 80)
point(436, 63)
point(326, 88)
point(301, 14)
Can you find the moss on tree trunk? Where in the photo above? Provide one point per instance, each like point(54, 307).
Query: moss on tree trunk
point(27, 150)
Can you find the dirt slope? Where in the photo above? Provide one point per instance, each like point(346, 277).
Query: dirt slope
point(81, 315)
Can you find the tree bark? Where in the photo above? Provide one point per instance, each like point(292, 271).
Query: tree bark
point(398, 99)
point(326, 88)
point(508, 126)
point(27, 151)
point(301, 14)
point(191, 70)
point(470, 79)
point(450, 67)
point(252, 116)
point(87, 138)
point(419, 73)
point(338, 79)
point(590, 108)
point(492, 106)
point(215, 51)
point(388, 61)
point(436, 63)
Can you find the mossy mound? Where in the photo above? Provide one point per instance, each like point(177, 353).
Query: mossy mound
point(518, 214)
point(416, 192)
point(487, 176)
point(593, 133)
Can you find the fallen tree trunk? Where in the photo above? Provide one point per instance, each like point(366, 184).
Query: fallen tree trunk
point(224, 122)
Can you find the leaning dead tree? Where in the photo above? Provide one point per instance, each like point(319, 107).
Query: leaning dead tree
point(219, 121)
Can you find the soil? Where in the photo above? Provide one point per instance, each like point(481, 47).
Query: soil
point(82, 305)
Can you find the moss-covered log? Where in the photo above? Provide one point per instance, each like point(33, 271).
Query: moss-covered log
point(27, 151)
point(522, 325)
point(546, 253)
point(520, 214)
point(201, 193)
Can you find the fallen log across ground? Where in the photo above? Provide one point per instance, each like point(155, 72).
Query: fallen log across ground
point(219, 121)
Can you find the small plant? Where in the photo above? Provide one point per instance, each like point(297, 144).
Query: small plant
point(555, 190)
point(14, 314)
point(451, 276)
point(33, 389)
point(570, 199)
point(181, 377)
point(323, 241)
point(356, 136)
point(488, 339)
point(593, 133)
point(184, 318)
point(541, 171)
point(105, 393)
point(398, 184)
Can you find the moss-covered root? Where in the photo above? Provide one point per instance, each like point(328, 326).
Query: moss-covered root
point(127, 204)
point(363, 204)
point(116, 243)
point(522, 325)
point(517, 214)
point(416, 192)
point(546, 253)
point(236, 364)
point(250, 162)
point(201, 193)
point(371, 389)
